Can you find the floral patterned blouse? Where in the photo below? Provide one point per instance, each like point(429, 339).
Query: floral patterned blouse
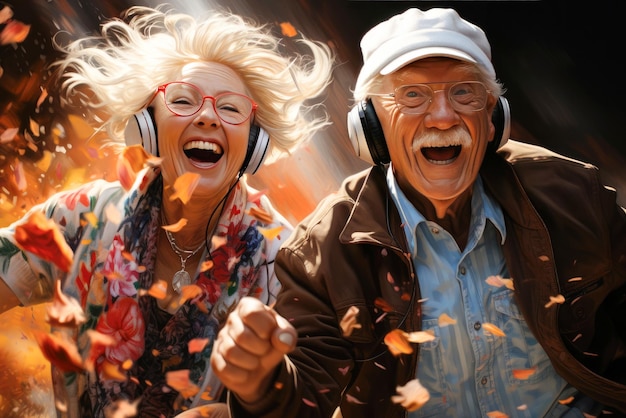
point(110, 275)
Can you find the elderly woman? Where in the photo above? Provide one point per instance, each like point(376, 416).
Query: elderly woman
point(142, 272)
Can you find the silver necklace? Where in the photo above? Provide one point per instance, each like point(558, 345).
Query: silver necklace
point(181, 278)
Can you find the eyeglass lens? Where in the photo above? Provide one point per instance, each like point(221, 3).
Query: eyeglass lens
point(468, 96)
point(185, 99)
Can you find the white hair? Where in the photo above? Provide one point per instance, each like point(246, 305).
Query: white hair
point(118, 71)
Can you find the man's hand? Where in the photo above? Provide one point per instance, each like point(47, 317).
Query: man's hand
point(249, 347)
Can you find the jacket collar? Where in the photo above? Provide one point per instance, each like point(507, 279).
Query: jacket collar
point(373, 220)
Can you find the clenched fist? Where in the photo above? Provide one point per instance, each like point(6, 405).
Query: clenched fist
point(249, 347)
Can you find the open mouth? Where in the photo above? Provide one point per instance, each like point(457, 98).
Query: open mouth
point(441, 155)
point(203, 151)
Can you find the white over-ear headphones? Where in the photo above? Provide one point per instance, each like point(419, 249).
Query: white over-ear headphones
point(141, 130)
point(368, 139)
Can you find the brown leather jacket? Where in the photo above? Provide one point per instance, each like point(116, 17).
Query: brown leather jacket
point(562, 224)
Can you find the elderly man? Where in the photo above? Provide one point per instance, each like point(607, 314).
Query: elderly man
point(462, 275)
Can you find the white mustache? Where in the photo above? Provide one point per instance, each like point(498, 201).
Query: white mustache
point(435, 138)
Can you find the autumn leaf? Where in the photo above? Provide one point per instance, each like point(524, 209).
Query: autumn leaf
point(175, 227)
point(271, 233)
point(445, 320)
point(493, 329)
point(184, 186)
point(420, 336)
point(349, 321)
point(383, 305)
point(64, 310)
point(398, 342)
point(196, 345)
point(523, 374)
point(112, 371)
point(60, 351)
point(42, 237)
point(411, 396)
point(555, 299)
point(288, 29)
point(260, 215)
point(130, 161)
point(498, 281)
point(179, 380)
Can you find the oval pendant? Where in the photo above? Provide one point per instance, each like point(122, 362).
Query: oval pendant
point(181, 278)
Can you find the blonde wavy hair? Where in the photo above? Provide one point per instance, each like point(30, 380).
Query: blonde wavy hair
point(118, 71)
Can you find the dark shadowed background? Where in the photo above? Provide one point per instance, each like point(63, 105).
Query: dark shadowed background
point(558, 61)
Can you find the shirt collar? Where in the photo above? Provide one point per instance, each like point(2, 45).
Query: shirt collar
point(411, 217)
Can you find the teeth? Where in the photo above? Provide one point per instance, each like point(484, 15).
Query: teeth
point(203, 145)
point(440, 162)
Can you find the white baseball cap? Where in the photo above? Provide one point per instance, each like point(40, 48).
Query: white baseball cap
point(416, 34)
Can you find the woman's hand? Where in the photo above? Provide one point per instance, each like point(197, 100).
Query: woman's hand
point(249, 347)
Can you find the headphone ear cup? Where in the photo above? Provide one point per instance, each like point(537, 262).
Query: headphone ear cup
point(258, 144)
point(366, 134)
point(141, 130)
point(501, 119)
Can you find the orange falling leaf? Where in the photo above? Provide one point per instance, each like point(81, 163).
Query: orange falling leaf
point(496, 414)
point(498, 281)
point(271, 233)
point(260, 215)
point(349, 321)
point(60, 351)
point(491, 328)
point(91, 218)
point(184, 187)
point(445, 320)
point(196, 345)
point(179, 380)
point(411, 396)
point(523, 374)
point(130, 161)
point(158, 290)
point(189, 292)
point(176, 226)
point(41, 236)
point(288, 29)
point(398, 342)
point(420, 336)
point(353, 399)
point(112, 371)
point(206, 265)
point(383, 305)
point(555, 299)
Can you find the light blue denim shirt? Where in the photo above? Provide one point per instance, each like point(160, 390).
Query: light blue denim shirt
point(479, 379)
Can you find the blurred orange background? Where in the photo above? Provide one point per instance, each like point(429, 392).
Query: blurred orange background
point(555, 60)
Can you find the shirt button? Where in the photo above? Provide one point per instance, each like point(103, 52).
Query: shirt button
point(477, 326)
point(483, 381)
point(434, 230)
point(462, 271)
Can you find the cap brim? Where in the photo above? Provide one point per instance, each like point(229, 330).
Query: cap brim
point(422, 53)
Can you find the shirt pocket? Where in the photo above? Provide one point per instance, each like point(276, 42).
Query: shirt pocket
point(431, 373)
point(524, 359)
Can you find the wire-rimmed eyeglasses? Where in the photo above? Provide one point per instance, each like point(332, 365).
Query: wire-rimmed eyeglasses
point(464, 96)
point(185, 99)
